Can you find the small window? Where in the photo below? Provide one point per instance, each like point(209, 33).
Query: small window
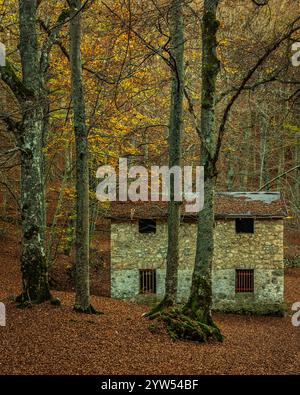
point(244, 225)
point(244, 281)
point(147, 226)
point(148, 281)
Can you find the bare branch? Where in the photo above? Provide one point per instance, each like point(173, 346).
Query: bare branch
point(260, 3)
point(246, 79)
point(279, 176)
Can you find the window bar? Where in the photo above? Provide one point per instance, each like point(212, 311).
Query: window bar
point(249, 280)
point(148, 281)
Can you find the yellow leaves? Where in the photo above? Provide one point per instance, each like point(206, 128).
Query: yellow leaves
point(269, 70)
point(70, 191)
point(292, 128)
point(231, 70)
point(119, 113)
point(223, 42)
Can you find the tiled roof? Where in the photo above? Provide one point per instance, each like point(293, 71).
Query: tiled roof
point(227, 204)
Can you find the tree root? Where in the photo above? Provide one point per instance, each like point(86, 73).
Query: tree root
point(163, 305)
point(182, 326)
point(55, 302)
point(24, 301)
point(89, 310)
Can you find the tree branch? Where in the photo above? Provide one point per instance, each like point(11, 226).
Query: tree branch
point(9, 76)
point(195, 120)
point(260, 3)
point(246, 79)
point(279, 176)
point(52, 37)
point(11, 193)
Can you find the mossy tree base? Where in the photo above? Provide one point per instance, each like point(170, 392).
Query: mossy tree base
point(89, 310)
point(24, 301)
point(180, 325)
point(160, 307)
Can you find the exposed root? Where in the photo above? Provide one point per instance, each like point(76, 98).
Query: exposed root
point(89, 310)
point(24, 300)
point(55, 302)
point(182, 326)
point(158, 309)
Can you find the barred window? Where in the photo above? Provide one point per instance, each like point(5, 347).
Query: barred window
point(148, 281)
point(244, 281)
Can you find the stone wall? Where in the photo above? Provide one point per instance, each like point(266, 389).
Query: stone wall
point(261, 251)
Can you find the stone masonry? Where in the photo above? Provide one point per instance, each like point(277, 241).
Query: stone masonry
point(261, 251)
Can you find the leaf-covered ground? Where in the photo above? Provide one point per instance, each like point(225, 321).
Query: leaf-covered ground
point(55, 340)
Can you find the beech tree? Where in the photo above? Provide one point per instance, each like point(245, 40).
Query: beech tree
point(82, 283)
point(199, 304)
point(30, 91)
point(175, 130)
point(176, 53)
point(195, 321)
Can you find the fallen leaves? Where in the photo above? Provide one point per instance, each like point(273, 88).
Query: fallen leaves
point(56, 340)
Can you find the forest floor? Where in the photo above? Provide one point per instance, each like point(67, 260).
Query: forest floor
point(55, 340)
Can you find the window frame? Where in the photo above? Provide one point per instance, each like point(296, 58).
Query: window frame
point(244, 285)
point(148, 277)
point(147, 229)
point(239, 226)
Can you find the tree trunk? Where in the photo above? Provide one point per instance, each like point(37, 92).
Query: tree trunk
point(229, 171)
point(200, 301)
point(82, 300)
point(194, 320)
point(175, 131)
point(297, 174)
point(264, 172)
point(33, 260)
point(246, 162)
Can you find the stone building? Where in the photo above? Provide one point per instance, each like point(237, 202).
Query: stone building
point(248, 271)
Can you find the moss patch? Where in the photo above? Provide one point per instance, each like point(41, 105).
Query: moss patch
point(181, 326)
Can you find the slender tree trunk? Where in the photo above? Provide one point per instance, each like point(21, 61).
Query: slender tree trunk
point(229, 171)
point(264, 174)
point(194, 321)
point(175, 130)
point(82, 301)
point(281, 161)
point(246, 163)
point(297, 175)
point(52, 238)
point(33, 260)
point(199, 304)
